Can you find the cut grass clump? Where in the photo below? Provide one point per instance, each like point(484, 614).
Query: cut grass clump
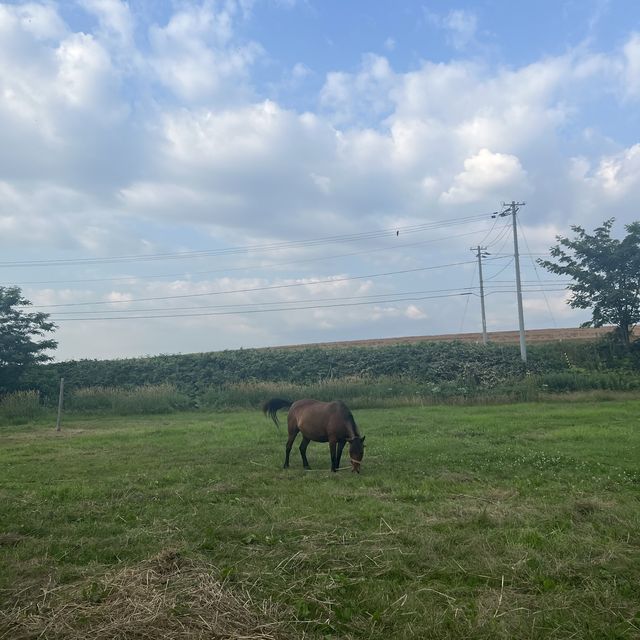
point(167, 597)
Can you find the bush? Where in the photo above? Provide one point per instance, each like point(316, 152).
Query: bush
point(589, 380)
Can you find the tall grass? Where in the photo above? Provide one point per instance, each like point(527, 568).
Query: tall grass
point(357, 391)
point(576, 380)
point(354, 390)
point(20, 406)
point(364, 392)
point(147, 399)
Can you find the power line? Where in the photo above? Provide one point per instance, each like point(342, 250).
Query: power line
point(506, 266)
point(274, 246)
point(512, 209)
point(251, 289)
point(553, 318)
point(502, 232)
point(254, 311)
point(381, 297)
point(287, 307)
point(247, 268)
point(466, 304)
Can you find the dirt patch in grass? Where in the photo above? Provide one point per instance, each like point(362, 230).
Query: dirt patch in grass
point(9, 539)
point(167, 597)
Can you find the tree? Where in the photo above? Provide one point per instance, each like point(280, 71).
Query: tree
point(19, 331)
point(605, 273)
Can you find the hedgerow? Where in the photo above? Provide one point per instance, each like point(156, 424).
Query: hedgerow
point(468, 365)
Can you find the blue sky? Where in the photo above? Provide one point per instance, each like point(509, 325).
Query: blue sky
point(289, 140)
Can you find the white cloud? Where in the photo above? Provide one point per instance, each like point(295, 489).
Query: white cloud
point(615, 179)
point(84, 68)
point(485, 178)
point(110, 147)
point(631, 73)
point(196, 56)
point(460, 26)
point(300, 71)
point(40, 21)
point(364, 94)
point(415, 313)
point(116, 19)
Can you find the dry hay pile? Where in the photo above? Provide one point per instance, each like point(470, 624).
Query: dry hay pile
point(167, 597)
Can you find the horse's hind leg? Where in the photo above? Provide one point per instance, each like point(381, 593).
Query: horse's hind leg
point(293, 432)
point(303, 451)
point(292, 437)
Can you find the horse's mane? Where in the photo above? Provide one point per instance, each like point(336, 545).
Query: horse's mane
point(348, 416)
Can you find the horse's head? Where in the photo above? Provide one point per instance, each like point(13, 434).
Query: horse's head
point(356, 453)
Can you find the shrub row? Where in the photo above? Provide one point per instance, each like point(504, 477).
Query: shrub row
point(466, 364)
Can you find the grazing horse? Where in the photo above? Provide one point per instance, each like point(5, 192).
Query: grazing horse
point(330, 422)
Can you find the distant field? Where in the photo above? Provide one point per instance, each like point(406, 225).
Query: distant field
point(519, 521)
point(535, 336)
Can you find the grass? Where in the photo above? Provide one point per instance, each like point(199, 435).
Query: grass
point(518, 521)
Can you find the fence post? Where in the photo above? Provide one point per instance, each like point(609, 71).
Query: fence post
point(60, 403)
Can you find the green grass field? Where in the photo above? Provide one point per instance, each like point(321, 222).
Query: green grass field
point(515, 521)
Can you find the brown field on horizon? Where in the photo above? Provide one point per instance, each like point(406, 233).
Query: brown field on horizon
point(504, 337)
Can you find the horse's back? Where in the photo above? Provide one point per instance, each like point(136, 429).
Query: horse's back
point(318, 420)
point(319, 407)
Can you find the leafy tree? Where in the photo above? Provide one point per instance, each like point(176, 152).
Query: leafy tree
point(605, 273)
point(19, 331)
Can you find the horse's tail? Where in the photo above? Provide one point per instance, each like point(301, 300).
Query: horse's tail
point(271, 407)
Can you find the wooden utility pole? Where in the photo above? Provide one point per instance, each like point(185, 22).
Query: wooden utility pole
point(481, 252)
point(511, 209)
point(60, 403)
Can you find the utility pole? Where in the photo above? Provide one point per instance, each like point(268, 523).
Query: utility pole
point(480, 253)
point(60, 403)
point(511, 209)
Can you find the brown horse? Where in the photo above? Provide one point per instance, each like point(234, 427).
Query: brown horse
point(330, 422)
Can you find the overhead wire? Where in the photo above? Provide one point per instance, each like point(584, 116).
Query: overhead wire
point(283, 307)
point(247, 268)
point(553, 318)
point(502, 232)
point(251, 289)
point(280, 306)
point(254, 311)
point(273, 246)
point(466, 304)
point(383, 297)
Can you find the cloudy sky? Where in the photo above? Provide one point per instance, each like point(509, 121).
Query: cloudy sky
point(184, 176)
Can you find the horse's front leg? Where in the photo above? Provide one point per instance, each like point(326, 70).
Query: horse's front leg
point(334, 455)
point(341, 444)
